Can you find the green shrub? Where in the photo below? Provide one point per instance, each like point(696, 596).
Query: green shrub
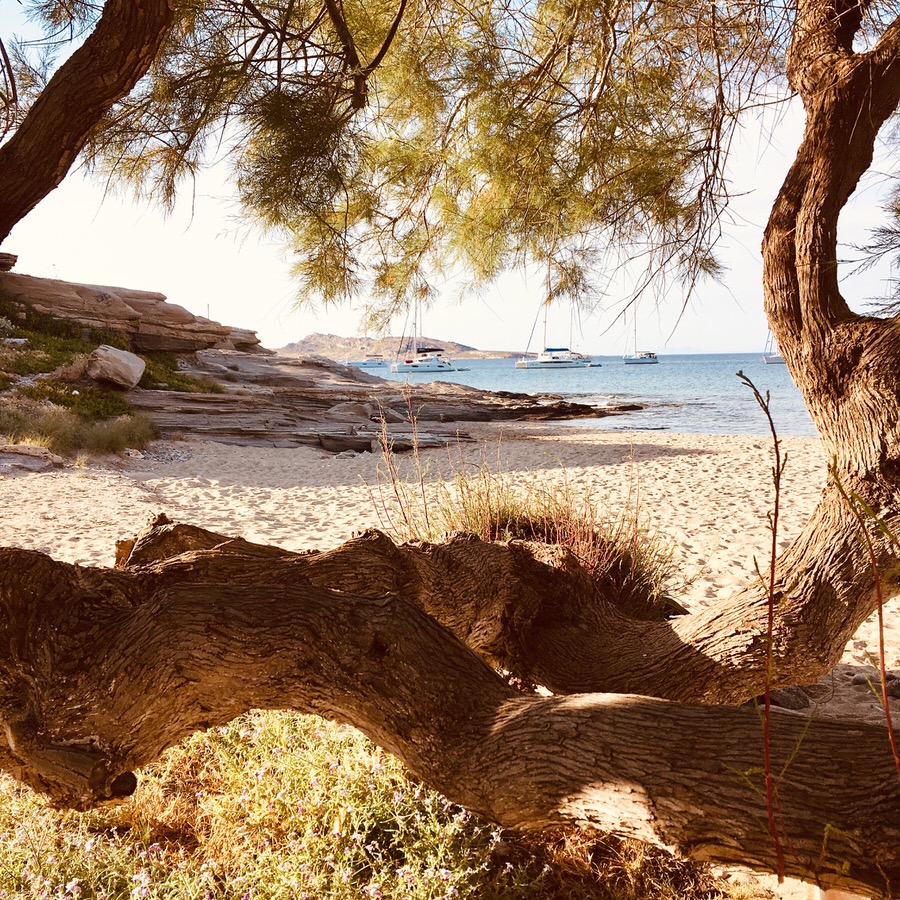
point(631, 564)
point(42, 355)
point(41, 328)
point(87, 401)
point(163, 373)
point(52, 342)
point(65, 432)
point(55, 342)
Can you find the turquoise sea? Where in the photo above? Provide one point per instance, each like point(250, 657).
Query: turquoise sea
point(696, 394)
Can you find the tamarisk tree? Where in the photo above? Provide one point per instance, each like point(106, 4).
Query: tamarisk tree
point(492, 136)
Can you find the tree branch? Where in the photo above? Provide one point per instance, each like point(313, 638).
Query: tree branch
point(118, 52)
point(532, 610)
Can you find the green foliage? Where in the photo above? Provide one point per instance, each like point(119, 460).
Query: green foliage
point(61, 416)
point(89, 402)
point(53, 333)
point(35, 360)
point(25, 421)
point(294, 164)
point(162, 373)
point(281, 805)
point(490, 135)
point(52, 341)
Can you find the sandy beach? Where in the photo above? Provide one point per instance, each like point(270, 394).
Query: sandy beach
point(710, 495)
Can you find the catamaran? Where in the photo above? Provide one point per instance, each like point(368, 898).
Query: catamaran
point(371, 361)
point(554, 357)
point(423, 359)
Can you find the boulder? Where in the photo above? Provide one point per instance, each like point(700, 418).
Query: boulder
point(118, 367)
point(351, 411)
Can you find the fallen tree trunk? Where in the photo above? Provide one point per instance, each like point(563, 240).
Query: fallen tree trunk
point(104, 669)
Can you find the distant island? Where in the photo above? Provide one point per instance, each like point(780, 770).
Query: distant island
point(333, 346)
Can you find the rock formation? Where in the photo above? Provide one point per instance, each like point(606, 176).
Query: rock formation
point(150, 322)
point(278, 401)
point(27, 457)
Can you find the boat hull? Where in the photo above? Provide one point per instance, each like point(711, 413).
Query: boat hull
point(556, 358)
point(367, 363)
point(429, 362)
point(555, 364)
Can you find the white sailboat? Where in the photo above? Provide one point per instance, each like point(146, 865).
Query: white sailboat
point(639, 357)
point(772, 355)
point(422, 359)
point(555, 357)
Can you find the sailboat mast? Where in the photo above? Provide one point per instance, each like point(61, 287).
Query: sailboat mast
point(546, 306)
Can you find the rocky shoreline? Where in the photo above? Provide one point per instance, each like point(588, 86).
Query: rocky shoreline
point(260, 398)
point(273, 400)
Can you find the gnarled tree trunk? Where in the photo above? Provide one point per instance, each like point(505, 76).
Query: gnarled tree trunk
point(104, 669)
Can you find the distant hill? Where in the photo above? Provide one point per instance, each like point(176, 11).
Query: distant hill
point(334, 346)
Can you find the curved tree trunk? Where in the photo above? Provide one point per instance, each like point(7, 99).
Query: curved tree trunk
point(104, 669)
point(114, 57)
point(845, 365)
point(532, 610)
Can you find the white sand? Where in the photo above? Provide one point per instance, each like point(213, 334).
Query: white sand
point(710, 494)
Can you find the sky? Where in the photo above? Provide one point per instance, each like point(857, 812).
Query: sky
point(202, 258)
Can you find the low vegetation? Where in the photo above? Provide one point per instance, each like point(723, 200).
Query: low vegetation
point(84, 399)
point(163, 373)
point(52, 342)
point(278, 805)
point(627, 560)
point(62, 410)
point(63, 431)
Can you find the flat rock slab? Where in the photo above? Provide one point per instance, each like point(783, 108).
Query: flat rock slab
point(26, 457)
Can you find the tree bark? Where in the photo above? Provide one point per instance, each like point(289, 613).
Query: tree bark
point(103, 669)
point(114, 57)
point(844, 364)
point(532, 610)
